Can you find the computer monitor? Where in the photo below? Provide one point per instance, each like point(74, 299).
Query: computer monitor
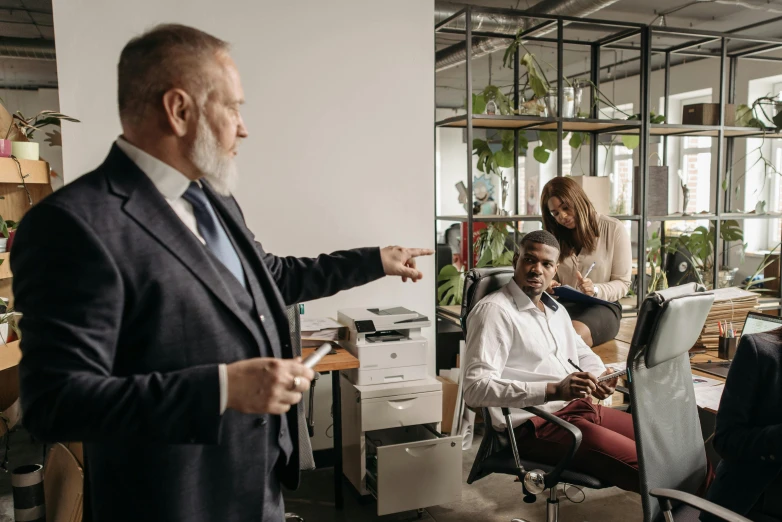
point(758, 323)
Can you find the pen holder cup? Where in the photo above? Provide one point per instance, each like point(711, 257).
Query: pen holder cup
point(727, 347)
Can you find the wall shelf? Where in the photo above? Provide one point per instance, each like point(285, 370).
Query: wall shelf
point(648, 133)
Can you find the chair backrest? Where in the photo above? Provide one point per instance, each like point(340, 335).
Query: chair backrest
point(668, 435)
point(63, 484)
point(480, 282)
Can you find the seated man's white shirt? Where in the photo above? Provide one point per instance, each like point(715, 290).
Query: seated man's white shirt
point(514, 349)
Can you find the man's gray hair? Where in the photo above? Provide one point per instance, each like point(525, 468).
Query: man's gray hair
point(166, 57)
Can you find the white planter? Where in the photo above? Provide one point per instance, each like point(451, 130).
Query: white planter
point(3, 242)
point(28, 150)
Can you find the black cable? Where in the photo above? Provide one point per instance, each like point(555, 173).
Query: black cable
point(22, 176)
point(580, 489)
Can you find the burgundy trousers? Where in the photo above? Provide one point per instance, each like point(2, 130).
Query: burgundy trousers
point(607, 449)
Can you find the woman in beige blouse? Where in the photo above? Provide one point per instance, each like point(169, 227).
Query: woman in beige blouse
point(586, 237)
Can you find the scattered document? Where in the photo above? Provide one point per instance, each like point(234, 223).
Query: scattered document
point(314, 324)
point(699, 381)
point(708, 397)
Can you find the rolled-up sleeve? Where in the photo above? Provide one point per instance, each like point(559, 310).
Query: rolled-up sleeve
point(490, 336)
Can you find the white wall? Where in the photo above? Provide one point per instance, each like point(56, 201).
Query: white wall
point(340, 99)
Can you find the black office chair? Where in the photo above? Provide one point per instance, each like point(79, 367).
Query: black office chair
point(499, 452)
point(671, 451)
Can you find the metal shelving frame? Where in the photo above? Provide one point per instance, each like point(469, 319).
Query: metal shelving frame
point(619, 31)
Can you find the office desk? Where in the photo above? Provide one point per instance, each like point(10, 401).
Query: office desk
point(342, 360)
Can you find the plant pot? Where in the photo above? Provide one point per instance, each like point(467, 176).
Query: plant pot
point(569, 105)
point(5, 148)
point(725, 277)
point(11, 234)
point(3, 244)
point(28, 494)
point(28, 150)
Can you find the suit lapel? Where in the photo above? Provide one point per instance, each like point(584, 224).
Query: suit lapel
point(147, 207)
point(240, 232)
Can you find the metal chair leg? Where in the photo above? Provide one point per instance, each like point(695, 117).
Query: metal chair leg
point(552, 506)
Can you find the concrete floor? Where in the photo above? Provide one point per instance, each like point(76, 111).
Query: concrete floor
point(493, 498)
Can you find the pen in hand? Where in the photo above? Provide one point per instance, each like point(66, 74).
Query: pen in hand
point(575, 365)
point(589, 271)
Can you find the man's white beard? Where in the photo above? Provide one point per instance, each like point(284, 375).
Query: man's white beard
point(218, 168)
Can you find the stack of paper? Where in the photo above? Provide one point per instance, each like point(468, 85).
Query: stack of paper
point(317, 330)
point(730, 304)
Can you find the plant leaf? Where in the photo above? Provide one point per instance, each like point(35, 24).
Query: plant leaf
point(540, 154)
point(504, 158)
point(548, 139)
point(478, 104)
point(630, 141)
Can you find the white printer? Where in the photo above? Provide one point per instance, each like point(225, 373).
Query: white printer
point(387, 342)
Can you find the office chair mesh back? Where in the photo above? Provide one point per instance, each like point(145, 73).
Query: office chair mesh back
point(671, 451)
point(306, 458)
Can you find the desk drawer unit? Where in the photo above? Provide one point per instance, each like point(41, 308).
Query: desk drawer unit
point(401, 410)
point(412, 468)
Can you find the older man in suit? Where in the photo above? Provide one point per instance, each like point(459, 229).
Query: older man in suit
point(153, 323)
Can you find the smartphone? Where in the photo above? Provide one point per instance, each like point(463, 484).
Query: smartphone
point(317, 355)
point(611, 376)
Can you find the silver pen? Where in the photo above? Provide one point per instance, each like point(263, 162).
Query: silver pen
point(590, 269)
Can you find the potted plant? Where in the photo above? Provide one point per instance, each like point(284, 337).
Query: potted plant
point(24, 128)
point(7, 229)
point(698, 248)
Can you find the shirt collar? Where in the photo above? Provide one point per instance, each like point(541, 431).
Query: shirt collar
point(523, 302)
point(169, 181)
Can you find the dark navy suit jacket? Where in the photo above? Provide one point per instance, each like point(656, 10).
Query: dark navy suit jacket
point(125, 320)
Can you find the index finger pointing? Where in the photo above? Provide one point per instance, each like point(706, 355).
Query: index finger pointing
point(416, 252)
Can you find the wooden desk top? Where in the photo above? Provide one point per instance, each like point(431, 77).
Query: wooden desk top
point(342, 360)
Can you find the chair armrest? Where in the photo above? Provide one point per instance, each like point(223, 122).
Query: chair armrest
point(553, 477)
point(550, 478)
point(624, 391)
point(666, 495)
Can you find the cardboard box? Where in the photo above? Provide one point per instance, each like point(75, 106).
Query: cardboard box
point(708, 114)
point(598, 190)
point(656, 191)
point(450, 390)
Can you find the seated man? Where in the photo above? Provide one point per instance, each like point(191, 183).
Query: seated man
point(520, 344)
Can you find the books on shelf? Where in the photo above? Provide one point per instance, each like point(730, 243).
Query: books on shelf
point(730, 304)
point(317, 330)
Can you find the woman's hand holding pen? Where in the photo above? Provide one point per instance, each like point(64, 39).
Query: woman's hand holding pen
point(585, 284)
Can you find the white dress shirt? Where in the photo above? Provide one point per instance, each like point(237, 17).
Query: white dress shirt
point(514, 349)
point(172, 184)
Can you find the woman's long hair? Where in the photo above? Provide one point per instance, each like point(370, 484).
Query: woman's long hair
point(584, 236)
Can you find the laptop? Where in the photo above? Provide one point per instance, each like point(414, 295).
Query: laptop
point(755, 323)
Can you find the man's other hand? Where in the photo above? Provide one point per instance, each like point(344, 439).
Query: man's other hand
point(267, 385)
point(399, 261)
point(606, 389)
point(575, 386)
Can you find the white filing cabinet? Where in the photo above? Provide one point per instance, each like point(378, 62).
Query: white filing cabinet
point(392, 448)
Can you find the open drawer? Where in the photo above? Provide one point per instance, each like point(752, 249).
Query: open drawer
point(412, 467)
